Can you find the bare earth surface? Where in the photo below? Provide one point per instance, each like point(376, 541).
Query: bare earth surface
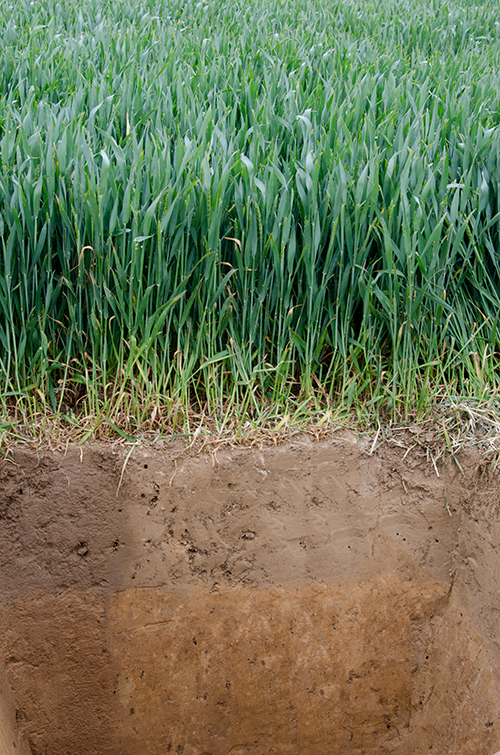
point(299, 600)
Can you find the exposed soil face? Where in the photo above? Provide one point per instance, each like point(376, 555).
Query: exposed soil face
point(304, 599)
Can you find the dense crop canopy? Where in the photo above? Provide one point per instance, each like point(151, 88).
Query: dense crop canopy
point(229, 204)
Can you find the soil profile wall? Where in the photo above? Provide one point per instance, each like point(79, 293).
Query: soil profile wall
point(304, 599)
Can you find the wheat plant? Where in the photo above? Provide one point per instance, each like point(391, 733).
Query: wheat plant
point(242, 210)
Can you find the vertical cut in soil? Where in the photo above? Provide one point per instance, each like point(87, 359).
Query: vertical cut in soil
point(304, 599)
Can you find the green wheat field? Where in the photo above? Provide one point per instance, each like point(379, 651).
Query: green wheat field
point(240, 213)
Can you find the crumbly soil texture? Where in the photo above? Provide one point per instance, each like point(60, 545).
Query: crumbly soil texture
point(307, 599)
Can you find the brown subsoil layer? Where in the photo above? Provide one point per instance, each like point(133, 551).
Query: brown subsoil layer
point(299, 600)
